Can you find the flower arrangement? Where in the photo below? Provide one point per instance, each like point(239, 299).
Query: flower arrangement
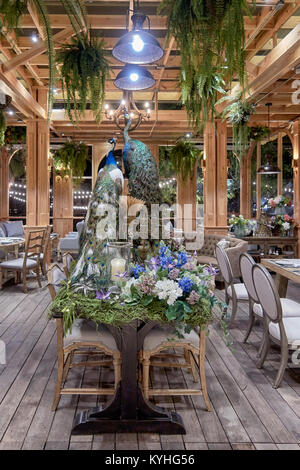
point(282, 223)
point(239, 221)
point(279, 201)
point(168, 288)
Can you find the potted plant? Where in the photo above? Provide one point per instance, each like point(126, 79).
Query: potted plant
point(71, 160)
point(279, 203)
point(183, 157)
point(282, 225)
point(241, 226)
point(83, 75)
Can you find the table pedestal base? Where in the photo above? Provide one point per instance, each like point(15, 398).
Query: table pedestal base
point(109, 419)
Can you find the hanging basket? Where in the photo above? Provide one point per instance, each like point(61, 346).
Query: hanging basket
point(5, 105)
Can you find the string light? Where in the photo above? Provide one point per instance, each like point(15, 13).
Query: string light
point(167, 182)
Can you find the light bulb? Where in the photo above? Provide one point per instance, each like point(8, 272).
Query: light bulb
point(133, 77)
point(147, 105)
point(123, 102)
point(148, 110)
point(111, 112)
point(188, 135)
point(34, 38)
point(137, 43)
point(131, 115)
point(10, 112)
point(106, 106)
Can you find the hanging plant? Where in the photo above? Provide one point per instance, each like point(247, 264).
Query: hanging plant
point(183, 157)
point(259, 132)
point(71, 161)
point(200, 94)
point(210, 35)
point(5, 101)
point(238, 114)
point(11, 12)
point(83, 75)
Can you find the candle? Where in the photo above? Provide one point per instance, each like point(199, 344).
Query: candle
point(117, 267)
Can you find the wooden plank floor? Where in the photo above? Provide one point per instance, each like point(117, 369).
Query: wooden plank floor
point(247, 412)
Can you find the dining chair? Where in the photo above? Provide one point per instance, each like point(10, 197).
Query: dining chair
point(43, 255)
point(289, 307)
point(192, 345)
point(29, 262)
point(86, 338)
point(67, 259)
point(283, 331)
point(233, 292)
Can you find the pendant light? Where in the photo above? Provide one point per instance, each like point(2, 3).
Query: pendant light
point(268, 168)
point(133, 78)
point(138, 46)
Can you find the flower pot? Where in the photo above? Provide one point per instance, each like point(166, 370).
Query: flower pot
point(239, 231)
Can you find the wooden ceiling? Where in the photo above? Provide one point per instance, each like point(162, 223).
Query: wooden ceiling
point(272, 52)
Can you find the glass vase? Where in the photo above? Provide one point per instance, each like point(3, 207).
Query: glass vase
point(239, 231)
point(118, 259)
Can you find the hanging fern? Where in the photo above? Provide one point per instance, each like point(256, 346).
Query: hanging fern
point(211, 37)
point(2, 128)
point(183, 157)
point(71, 160)
point(238, 114)
point(259, 132)
point(83, 75)
point(12, 11)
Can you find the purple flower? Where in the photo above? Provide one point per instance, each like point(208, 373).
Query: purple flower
point(212, 270)
point(121, 275)
point(193, 298)
point(154, 263)
point(101, 295)
point(174, 274)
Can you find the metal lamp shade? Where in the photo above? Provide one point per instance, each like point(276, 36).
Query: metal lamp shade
point(143, 78)
point(150, 52)
point(268, 169)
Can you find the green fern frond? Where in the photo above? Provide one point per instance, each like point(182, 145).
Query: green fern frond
point(183, 157)
point(71, 160)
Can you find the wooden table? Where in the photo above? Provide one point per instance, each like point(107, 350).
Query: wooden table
point(283, 274)
point(267, 242)
point(128, 410)
point(11, 244)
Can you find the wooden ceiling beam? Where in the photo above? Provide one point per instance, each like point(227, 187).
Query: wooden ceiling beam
point(35, 51)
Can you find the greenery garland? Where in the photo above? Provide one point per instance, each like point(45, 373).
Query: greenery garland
point(72, 305)
point(183, 157)
point(2, 128)
point(84, 72)
point(71, 160)
point(211, 37)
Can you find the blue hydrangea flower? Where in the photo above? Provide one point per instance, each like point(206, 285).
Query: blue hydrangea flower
point(186, 284)
point(165, 261)
point(137, 270)
point(182, 258)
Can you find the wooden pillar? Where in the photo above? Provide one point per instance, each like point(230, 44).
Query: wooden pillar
point(186, 200)
point(98, 152)
point(279, 164)
point(154, 149)
point(62, 205)
point(4, 183)
point(245, 183)
point(296, 166)
point(37, 174)
point(215, 178)
point(258, 181)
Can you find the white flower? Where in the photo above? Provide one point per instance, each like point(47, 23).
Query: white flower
point(168, 290)
point(286, 226)
point(277, 199)
point(126, 289)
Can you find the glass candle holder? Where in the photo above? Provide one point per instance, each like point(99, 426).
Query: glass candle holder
point(118, 259)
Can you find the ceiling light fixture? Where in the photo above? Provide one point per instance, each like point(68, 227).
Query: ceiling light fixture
point(127, 108)
point(134, 77)
point(137, 46)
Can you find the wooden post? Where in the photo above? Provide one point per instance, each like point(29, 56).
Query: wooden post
point(258, 181)
point(279, 163)
point(4, 183)
point(62, 205)
point(98, 153)
point(215, 178)
point(37, 174)
point(296, 166)
point(186, 195)
point(245, 183)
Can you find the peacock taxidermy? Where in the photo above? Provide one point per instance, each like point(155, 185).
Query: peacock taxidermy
point(91, 271)
point(140, 169)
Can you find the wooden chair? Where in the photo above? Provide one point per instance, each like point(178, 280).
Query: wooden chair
point(43, 256)
point(192, 345)
point(87, 339)
point(233, 292)
point(283, 331)
point(67, 259)
point(29, 262)
point(289, 307)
